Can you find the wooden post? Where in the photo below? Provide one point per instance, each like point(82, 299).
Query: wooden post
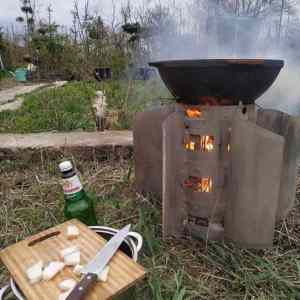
point(100, 110)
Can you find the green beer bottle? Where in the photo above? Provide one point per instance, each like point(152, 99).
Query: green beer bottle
point(77, 204)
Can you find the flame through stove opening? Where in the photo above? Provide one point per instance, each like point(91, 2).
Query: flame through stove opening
point(207, 143)
point(203, 143)
point(199, 184)
point(193, 113)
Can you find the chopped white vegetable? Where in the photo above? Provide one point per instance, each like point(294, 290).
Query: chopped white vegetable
point(102, 277)
point(104, 274)
point(35, 272)
point(72, 232)
point(67, 285)
point(77, 269)
point(72, 259)
point(52, 269)
point(64, 296)
point(68, 251)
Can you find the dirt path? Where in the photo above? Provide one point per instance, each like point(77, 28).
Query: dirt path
point(9, 95)
point(9, 99)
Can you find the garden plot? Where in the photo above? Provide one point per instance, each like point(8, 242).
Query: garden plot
point(71, 108)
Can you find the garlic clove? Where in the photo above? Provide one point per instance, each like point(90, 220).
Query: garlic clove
point(77, 270)
point(35, 272)
point(64, 296)
point(67, 284)
point(68, 251)
point(52, 269)
point(72, 232)
point(72, 259)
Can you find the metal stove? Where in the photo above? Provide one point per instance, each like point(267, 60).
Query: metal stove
point(223, 167)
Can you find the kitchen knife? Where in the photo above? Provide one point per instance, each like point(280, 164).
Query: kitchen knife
point(94, 268)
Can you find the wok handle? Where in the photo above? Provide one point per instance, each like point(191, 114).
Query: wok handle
point(82, 288)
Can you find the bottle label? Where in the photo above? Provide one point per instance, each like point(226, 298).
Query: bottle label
point(71, 185)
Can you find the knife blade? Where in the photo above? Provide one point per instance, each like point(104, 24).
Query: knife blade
point(94, 268)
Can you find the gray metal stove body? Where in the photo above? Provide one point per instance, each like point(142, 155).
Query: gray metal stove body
point(228, 172)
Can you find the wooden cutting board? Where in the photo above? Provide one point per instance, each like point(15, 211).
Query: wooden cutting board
point(123, 273)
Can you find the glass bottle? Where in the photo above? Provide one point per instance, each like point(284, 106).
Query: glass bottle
point(77, 204)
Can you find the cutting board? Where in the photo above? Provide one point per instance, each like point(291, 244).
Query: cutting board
point(123, 273)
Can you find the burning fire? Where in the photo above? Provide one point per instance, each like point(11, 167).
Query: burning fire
point(207, 143)
point(199, 184)
point(204, 143)
point(206, 184)
point(190, 146)
point(193, 113)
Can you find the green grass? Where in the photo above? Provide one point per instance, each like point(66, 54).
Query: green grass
point(6, 80)
point(62, 109)
point(70, 107)
point(129, 97)
point(4, 74)
point(31, 201)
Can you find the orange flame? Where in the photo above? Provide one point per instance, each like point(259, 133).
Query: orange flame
point(206, 184)
point(207, 143)
point(190, 146)
point(199, 184)
point(203, 143)
point(193, 113)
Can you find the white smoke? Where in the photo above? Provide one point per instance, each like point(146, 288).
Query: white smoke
point(198, 31)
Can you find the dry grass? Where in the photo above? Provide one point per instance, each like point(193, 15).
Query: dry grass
point(31, 200)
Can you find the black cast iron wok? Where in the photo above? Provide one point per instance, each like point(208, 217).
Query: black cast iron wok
point(218, 81)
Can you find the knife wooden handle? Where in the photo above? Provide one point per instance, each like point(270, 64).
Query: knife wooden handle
point(81, 289)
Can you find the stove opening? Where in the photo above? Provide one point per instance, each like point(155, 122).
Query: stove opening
point(193, 113)
point(199, 184)
point(196, 220)
point(207, 143)
point(203, 143)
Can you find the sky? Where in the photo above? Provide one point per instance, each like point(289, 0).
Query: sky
point(10, 9)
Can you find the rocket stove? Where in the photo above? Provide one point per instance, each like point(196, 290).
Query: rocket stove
point(223, 167)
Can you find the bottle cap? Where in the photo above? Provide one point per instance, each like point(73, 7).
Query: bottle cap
point(65, 166)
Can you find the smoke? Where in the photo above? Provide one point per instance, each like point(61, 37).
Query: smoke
point(284, 95)
point(203, 29)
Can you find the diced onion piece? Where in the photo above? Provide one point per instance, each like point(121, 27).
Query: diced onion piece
point(77, 270)
point(68, 251)
point(72, 232)
point(102, 277)
point(64, 296)
point(104, 274)
point(72, 259)
point(67, 285)
point(35, 272)
point(52, 269)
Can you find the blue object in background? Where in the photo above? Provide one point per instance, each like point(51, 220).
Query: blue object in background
point(20, 74)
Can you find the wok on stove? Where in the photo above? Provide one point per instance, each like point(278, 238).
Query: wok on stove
point(218, 81)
